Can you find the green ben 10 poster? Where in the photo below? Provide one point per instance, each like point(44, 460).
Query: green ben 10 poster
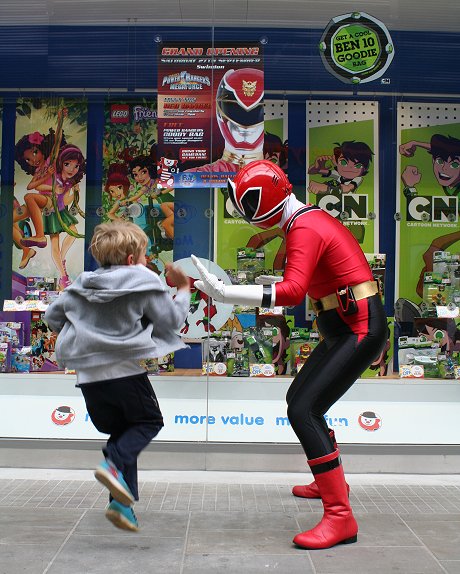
point(342, 159)
point(428, 184)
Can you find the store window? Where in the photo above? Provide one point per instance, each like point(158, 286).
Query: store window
point(145, 117)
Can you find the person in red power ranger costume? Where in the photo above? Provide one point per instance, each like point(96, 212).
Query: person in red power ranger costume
point(325, 261)
point(240, 117)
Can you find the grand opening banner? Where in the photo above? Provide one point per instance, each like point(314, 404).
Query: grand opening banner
point(210, 112)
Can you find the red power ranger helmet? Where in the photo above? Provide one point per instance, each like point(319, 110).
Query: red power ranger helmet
point(259, 193)
point(240, 108)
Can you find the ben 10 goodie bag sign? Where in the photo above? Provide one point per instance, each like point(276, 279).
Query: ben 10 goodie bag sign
point(356, 48)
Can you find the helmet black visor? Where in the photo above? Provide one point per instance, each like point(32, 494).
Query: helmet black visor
point(232, 111)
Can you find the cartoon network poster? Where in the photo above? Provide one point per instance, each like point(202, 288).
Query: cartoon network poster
point(342, 159)
point(231, 230)
point(210, 112)
point(428, 183)
point(49, 193)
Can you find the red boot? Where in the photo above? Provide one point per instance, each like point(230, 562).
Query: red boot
point(338, 525)
point(311, 490)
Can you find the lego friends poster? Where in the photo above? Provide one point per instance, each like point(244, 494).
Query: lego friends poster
point(232, 231)
point(210, 111)
point(428, 185)
point(130, 189)
point(49, 192)
point(342, 165)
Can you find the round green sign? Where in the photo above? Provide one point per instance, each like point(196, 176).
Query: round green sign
point(356, 48)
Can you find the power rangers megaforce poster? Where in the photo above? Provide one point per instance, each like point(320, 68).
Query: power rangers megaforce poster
point(49, 192)
point(428, 181)
point(210, 112)
point(130, 190)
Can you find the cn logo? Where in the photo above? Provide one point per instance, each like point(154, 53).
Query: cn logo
point(119, 114)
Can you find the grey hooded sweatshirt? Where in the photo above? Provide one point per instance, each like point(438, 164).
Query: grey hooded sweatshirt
point(114, 314)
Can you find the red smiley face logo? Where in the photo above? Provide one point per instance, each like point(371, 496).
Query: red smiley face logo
point(62, 415)
point(369, 421)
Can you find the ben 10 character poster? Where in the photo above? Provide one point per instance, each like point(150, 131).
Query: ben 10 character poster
point(130, 186)
point(232, 231)
point(49, 188)
point(428, 184)
point(342, 164)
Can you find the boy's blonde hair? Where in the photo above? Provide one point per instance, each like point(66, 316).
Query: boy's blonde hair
point(113, 242)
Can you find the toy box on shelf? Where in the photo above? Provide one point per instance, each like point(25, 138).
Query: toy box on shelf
point(418, 357)
point(249, 349)
point(250, 263)
point(215, 351)
point(281, 325)
point(31, 342)
point(302, 343)
point(432, 324)
point(441, 286)
point(259, 342)
point(5, 357)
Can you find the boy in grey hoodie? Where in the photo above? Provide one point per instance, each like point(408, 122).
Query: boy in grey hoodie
point(106, 321)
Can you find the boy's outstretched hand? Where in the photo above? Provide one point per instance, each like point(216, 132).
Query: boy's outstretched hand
point(176, 277)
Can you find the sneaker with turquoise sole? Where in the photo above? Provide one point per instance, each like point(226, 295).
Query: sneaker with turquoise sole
point(122, 516)
point(109, 475)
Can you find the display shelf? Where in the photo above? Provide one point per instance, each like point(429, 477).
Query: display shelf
point(59, 383)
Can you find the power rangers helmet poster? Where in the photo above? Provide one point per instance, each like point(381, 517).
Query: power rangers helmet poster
point(210, 112)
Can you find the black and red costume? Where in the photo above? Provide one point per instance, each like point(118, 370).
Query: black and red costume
point(325, 262)
point(323, 256)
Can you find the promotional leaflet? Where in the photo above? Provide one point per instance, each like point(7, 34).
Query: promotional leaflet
point(210, 111)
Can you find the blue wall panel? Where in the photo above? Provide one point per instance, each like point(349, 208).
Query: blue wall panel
point(125, 57)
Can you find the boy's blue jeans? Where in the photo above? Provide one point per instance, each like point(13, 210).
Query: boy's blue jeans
point(126, 409)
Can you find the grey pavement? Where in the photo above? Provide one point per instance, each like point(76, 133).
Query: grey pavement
point(198, 522)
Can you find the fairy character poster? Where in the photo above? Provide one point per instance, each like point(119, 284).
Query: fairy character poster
point(428, 184)
point(342, 160)
point(130, 186)
point(49, 188)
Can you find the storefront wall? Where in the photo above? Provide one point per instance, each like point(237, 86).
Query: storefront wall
point(107, 64)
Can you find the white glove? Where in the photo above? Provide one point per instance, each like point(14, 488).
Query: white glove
point(252, 295)
point(209, 283)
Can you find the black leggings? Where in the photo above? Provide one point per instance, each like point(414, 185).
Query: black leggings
point(126, 409)
point(334, 365)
